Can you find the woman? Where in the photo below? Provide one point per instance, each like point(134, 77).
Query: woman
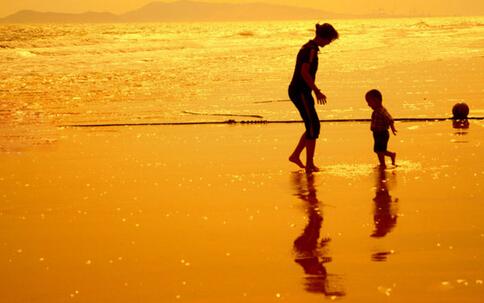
point(300, 89)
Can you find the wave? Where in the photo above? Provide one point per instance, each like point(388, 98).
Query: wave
point(246, 33)
point(447, 26)
point(272, 101)
point(25, 53)
point(222, 115)
point(68, 50)
point(421, 24)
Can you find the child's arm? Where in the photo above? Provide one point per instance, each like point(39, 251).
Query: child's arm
point(390, 121)
point(392, 126)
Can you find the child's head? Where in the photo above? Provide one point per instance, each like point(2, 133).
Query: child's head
point(374, 98)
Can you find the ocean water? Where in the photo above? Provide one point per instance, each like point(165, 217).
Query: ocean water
point(64, 74)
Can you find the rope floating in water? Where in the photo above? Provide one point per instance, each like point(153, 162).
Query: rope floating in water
point(231, 121)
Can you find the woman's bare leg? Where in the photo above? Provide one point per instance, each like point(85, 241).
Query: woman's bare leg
point(310, 148)
point(295, 156)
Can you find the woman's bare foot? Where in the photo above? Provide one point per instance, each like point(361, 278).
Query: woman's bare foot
point(312, 169)
point(297, 161)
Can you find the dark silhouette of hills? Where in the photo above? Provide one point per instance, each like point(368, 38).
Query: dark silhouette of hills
point(183, 10)
point(201, 11)
point(29, 16)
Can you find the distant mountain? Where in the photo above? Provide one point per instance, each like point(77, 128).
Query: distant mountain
point(183, 10)
point(29, 16)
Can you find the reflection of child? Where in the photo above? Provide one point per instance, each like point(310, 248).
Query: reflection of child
point(385, 212)
point(381, 120)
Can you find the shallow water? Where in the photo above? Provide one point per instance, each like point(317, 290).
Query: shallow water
point(216, 213)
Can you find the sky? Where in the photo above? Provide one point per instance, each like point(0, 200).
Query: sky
point(412, 7)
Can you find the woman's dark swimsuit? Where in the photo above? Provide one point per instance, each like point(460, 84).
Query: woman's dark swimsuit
point(300, 92)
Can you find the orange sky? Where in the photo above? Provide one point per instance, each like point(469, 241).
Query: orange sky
point(432, 7)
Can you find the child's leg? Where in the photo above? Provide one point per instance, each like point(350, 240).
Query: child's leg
point(392, 156)
point(294, 157)
point(381, 159)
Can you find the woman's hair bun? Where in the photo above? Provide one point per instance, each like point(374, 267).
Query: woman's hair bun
point(326, 31)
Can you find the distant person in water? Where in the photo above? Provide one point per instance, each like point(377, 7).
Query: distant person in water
point(300, 92)
point(381, 120)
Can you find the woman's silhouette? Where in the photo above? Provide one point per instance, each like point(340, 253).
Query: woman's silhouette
point(300, 92)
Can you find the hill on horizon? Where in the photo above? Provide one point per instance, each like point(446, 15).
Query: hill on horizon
point(182, 10)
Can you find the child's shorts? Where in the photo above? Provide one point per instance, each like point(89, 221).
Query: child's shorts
point(381, 140)
point(305, 105)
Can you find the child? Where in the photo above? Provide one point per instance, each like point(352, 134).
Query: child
point(381, 120)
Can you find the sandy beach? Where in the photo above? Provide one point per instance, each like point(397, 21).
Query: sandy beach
point(216, 213)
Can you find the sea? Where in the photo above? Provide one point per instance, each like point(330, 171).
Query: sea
point(58, 75)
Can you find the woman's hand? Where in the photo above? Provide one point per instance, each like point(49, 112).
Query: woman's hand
point(310, 82)
point(320, 96)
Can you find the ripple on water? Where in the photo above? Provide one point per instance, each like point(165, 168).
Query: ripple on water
point(351, 170)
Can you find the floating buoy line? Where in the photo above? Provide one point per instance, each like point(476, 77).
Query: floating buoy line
point(244, 122)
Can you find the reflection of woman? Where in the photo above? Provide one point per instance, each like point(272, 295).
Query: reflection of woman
point(385, 212)
point(302, 84)
point(310, 254)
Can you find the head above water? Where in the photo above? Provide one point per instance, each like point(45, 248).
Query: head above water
point(325, 34)
point(374, 98)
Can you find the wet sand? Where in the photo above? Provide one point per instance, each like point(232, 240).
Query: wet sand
point(216, 213)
